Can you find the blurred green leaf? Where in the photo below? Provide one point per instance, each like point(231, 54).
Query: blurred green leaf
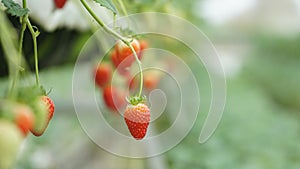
point(14, 9)
point(107, 4)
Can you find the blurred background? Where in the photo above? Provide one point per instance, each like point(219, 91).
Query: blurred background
point(258, 44)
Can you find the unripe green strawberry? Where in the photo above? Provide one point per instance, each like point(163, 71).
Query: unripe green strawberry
point(31, 96)
point(50, 106)
point(41, 117)
point(137, 118)
point(10, 140)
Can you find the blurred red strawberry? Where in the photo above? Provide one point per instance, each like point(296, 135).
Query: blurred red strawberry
point(151, 80)
point(103, 74)
point(24, 118)
point(125, 54)
point(143, 46)
point(114, 98)
point(59, 4)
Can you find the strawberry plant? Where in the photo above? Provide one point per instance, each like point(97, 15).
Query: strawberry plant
point(28, 108)
point(126, 52)
point(23, 108)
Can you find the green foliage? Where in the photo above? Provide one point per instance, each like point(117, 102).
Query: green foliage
point(27, 94)
point(274, 65)
point(253, 133)
point(14, 9)
point(107, 4)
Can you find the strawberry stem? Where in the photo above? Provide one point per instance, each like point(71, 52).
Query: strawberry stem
point(135, 100)
point(23, 28)
point(124, 10)
point(34, 35)
point(118, 36)
point(140, 68)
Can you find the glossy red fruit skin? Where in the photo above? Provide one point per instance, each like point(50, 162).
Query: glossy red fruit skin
point(103, 74)
point(59, 4)
point(114, 98)
point(137, 118)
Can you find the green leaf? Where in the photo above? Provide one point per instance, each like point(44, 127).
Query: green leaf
point(107, 4)
point(14, 9)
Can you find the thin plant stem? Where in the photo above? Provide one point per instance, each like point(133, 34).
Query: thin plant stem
point(123, 7)
point(34, 35)
point(23, 28)
point(118, 36)
point(19, 58)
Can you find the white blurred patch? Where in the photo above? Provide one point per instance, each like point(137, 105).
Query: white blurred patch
point(220, 11)
point(297, 3)
point(231, 63)
point(72, 16)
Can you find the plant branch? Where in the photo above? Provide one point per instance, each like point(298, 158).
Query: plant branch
point(123, 7)
point(118, 36)
point(34, 35)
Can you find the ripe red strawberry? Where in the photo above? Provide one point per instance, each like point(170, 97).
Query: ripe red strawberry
point(60, 3)
point(114, 98)
point(137, 118)
point(103, 74)
point(125, 54)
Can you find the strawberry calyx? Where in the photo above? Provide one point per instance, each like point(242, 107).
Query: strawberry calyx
point(135, 100)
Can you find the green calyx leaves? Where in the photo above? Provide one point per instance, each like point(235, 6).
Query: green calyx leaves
point(14, 9)
point(107, 4)
point(134, 100)
point(28, 94)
